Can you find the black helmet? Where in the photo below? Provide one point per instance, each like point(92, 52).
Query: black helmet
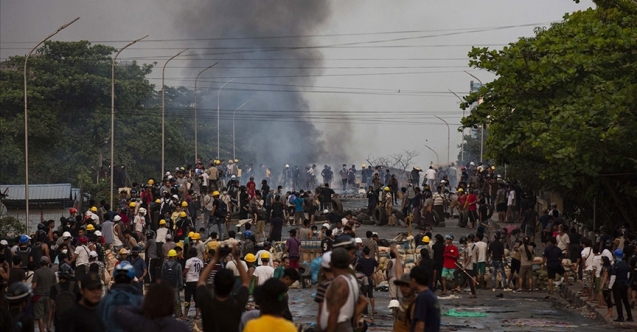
point(18, 292)
point(344, 241)
point(150, 234)
point(40, 235)
point(498, 235)
point(471, 237)
point(65, 272)
point(463, 240)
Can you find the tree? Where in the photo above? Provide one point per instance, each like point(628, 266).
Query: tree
point(398, 161)
point(565, 103)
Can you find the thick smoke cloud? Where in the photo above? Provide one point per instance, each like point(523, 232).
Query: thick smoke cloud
point(285, 134)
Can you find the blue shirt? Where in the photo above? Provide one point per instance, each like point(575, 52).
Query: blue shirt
point(427, 310)
point(298, 204)
point(139, 264)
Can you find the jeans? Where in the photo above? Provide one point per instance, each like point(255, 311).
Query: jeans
point(211, 222)
point(206, 216)
point(620, 292)
point(498, 266)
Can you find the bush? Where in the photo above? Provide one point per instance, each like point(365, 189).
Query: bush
point(11, 227)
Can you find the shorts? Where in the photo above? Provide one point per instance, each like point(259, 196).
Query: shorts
point(481, 268)
point(299, 216)
point(41, 308)
point(526, 272)
point(587, 282)
point(501, 207)
point(598, 284)
point(447, 273)
point(551, 271)
point(515, 266)
point(294, 262)
point(260, 227)
point(368, 290)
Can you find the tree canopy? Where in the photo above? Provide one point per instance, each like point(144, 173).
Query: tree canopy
point(564, 107)
point(69, 90)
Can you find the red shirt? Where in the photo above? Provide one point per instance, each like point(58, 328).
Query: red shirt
point(450, 256)
point(472, 202)
point(462, 199)
point(251, 188)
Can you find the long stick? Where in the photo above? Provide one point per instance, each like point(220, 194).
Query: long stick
point(467, 273)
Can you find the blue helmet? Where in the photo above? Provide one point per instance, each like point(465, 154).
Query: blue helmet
point(24, 239)
point(247, 234)
point(124, 267)
point(619, 253)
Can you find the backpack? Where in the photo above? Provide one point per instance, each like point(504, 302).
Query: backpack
point(222, 209)
point(116, 298)
point(247, 247)
point(169, 274)
point(24, 254)
point(64, 300)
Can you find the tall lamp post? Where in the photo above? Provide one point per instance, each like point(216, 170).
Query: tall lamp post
point(113, 110)
point(448, 136)
point(26, 124)
point(163, 111)
point(436, 153)
point(461, 142)
point(482, 125)
point(196, 79)
point(233, 144)
point(218, 135)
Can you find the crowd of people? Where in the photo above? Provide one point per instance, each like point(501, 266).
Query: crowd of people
point(142, 265)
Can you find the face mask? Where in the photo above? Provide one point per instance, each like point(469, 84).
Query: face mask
point(64, 251)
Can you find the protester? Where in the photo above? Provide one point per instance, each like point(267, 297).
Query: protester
point(270, 297)
point(426, 316)
point(620, 286)
point(63, 294)
point(194, 266)
point(43, 280)
point(85, 315)
point(122, 292)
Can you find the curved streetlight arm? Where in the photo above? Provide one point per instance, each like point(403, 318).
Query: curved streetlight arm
point(113, 109)
point(218, 129)
point(468, 73)
point(233, 142)
point(26, 123)
point(448, 136)
point(196, 79)
point(432, 150)
point(163, 89)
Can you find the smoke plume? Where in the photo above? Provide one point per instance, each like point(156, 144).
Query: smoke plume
point(277, 125)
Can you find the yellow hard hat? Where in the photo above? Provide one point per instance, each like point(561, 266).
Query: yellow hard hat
point(162, 222)
point(123, 251)
point(183, 214)
point(184, 204)
point(364, 165)
point(236, 160)
point(426, 239)
point(386, 189)
point(157, 201)
point(132, 204)
point(265, 255)
point(190, 234)
point(93, 209)
point(180, 244)
point(217, 162)
point(90, 227)
point(250, 258)
point(215, 193)
point(172, 253)
point(196, 236)
point(151, 182)
point(460, 190)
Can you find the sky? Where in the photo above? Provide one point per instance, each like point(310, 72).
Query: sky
point(380, 71)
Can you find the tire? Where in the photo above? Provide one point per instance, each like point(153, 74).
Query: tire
point(368, 222)
point(490, 211)
point(320, 218)
point(400, 215)
point(436, 217)
point(363, 217)
point(336, 205)
point(304, 270)
point(380, 216)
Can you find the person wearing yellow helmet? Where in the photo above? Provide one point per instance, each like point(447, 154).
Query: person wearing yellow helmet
point(183, 226)
point(161, 232)
point(171, 274)
point(184, 204)
point(265, 271)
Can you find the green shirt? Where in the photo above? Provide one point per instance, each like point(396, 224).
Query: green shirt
point(278, 272)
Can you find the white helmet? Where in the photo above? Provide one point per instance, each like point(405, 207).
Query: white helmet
point(287, 166)
point(142, 211)
point(233, 177)
point(117, 218)
point(393, 304)
point(472, 163)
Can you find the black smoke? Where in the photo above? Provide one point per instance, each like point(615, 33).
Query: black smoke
point(284, 132)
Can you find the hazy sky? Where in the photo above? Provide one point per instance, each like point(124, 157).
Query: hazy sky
point(417, 47)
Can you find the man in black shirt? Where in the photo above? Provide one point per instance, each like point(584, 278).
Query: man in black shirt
point(620, 288)
point(326, 196)
point(553, 262)
point(439, 250)
point(276, 227)
point(496, 251)
point(327, 242)
point(83, 316)
point(222, 312)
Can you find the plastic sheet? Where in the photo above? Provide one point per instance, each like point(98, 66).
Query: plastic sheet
point(455, 313)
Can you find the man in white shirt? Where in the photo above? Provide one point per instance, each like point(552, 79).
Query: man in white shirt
point(480, 252)
point(264, 272)
point(192, 269)
point(81, 256)
point(511, 205)
point(430, 176)
point(265, 250)
point(588, 268)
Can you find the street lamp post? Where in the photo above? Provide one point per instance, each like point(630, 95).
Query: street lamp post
point(448, 136)
point(196, 79)
point(218, 132)
point(163, 111)
point(482, 125)
point(26, 124)
point(436, 153)
point(233, 144)
point(461, 142)
point(113, 110)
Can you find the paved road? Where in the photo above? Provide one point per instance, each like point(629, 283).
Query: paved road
point(513, 312)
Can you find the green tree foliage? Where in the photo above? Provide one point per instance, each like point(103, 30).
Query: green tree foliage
point(11, 227)
point(564, 107)
point(69, 90)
